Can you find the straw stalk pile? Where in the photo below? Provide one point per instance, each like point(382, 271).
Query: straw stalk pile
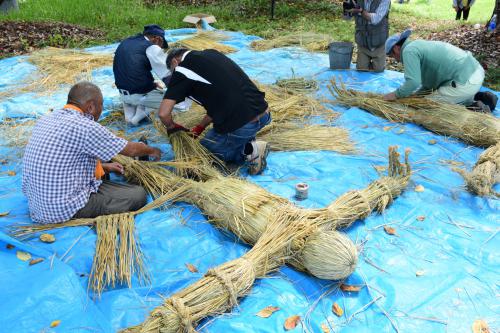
point(298, 84)
point(202, 42)
point(485, 174)
point(60, 66)
point(309, 40)
point(454, 120)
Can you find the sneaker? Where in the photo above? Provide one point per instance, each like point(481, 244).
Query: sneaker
point(479, 106)
point(257, 160)
point(487, 98)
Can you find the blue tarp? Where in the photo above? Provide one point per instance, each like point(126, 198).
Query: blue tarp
point(455, 249)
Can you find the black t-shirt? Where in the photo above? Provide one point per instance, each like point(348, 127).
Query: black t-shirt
point(218, 84)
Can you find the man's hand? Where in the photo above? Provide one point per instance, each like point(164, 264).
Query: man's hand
point(176, 128)
point(197, 130)
point(113, 167)
point(155, 154)
point(456, 8)
point(159, 85)
point(356, 10)
point(390, 96)
point(366, 15)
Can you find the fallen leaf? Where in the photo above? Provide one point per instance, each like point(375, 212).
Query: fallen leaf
point(11, 173)
point(47, 238)
point(267, 311)
point(389, 230)
point(421, 217)
point(348, 287)
point(386, 128)
point(480, 326)
point(401, 131)
point(419, 188)
point(380, 168)
point(4, 214)
point(291, 322)
point(36, 261)
point(55, 323)
point(432, 142)
point(192, 268)
point(9, 246)
point(337, 310)
point(325, 328)
point(419, 273)
point(364, 126)
point(24, 256)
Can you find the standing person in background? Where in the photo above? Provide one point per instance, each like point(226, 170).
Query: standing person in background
point(372, 30)
point(462, 6)
point(134, 60)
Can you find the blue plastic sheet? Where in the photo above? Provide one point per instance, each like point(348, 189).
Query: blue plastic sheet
point(455, 249)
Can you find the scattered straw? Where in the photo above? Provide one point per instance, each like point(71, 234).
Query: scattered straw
point(202, 42)
point(485, 174)
point(60, 66)
point(308, 40)
point(443, 118)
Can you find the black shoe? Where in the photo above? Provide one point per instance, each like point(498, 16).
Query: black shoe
point(479, 106)
point(487, 98)
point(144, 157)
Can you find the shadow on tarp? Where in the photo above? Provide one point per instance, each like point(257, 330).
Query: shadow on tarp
point(454, 249)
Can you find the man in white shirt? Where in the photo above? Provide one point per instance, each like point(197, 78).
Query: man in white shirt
point(134, 60)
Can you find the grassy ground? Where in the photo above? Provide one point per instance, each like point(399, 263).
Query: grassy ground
point(121, 18)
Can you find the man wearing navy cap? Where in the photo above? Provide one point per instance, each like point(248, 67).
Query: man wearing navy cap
point(134, 60)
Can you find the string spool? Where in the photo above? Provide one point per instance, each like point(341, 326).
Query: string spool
point(301, 191)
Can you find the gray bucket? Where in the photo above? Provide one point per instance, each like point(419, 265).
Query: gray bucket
point(340, 55)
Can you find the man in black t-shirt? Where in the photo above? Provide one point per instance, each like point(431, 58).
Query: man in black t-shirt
point(235, 106)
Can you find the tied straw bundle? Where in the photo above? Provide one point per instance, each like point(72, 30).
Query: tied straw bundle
point(118, 254)
point(298, 84)
point(281, 233)
point(485, 174)
point(60, 66)
point(202, 42)
point(309, 40)
point(453, 120)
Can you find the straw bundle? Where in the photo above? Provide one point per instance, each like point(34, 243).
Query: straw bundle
point(202, 42)
point(474, 128)
point(118, 254)
point(485, 174)
point(298, 84)
point(293, 137)
point(309, 40)
point(61, 66)
point(282, 232)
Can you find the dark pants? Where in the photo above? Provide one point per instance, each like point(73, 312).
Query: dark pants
point(465, 11)
point(113, 198)
point(229, 147)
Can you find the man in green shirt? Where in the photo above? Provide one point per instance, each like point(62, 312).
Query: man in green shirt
point(452, 74)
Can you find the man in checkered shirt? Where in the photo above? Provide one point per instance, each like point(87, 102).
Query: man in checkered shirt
point(62, 166)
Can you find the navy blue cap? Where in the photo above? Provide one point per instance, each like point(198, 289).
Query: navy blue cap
point(156, 30)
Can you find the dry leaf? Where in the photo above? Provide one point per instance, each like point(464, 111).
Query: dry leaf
point(380, 168)
point(192, 268)
point(291, 322)
point(389, 230)
point(337, 310)
point(11, 173)
point(325, 328)
point(421, 217)
point(55, 323)
point(47, 238)
point(432, 142)
point(267, 311)
point(364, 126)
point(24, 256)
point(9, 246)
point(36, 261)
point(480, 326)
point(419, 188)
point(4, 214)
point(401, 131)
point(347, 287)
point(387, 128)
point(419, 273)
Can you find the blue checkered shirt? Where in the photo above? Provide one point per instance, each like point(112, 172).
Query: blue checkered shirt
point(59, 163)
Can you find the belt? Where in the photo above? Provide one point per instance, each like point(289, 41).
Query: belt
point(259, 116)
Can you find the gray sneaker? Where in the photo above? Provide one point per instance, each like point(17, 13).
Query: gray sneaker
point(257, 160)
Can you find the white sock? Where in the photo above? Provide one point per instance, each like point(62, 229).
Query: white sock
point(129, 111)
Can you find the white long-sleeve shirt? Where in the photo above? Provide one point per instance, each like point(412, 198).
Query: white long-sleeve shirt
point(158, 60)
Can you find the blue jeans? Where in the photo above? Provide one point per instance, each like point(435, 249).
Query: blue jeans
point(230, 147)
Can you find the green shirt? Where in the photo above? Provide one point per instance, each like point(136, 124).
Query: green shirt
point(430, 65)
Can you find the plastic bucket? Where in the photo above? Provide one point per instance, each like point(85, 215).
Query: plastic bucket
point(340, 55)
